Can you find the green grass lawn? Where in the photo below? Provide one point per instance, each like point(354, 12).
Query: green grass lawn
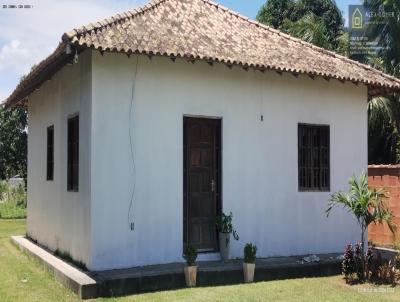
point(24, 279)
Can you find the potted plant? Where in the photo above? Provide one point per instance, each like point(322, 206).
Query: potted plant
point(190, 255)
point(250, 251)
point(225, 229)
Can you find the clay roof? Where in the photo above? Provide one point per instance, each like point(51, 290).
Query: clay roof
point(204, 30)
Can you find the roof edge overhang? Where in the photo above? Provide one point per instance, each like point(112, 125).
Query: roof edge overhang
point(38, 75)
point(48, 67)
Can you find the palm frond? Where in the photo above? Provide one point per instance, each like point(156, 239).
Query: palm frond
point(367, 206)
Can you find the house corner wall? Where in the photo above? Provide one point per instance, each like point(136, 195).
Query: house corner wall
point(58, 219)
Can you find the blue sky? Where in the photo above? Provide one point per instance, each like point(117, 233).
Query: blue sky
point(28, 35)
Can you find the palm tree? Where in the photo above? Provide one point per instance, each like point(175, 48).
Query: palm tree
point(365, 204)
point(385, 29)
point(309, 28)
point(384, 118)
point(384, 112)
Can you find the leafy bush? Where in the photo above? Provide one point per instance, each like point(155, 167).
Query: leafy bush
point(348, 264)
point(376, 269)
point(224, 225)
point(18, 196)
point(387, 273)
point(250, 251)
point(9, 210)
point(396, 246)
point(369, 262)
point(3, 189)
point(373, 270)
point(190, 255)
point(358, 261)
point(12, 201)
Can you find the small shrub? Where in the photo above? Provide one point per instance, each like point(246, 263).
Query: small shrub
point(348, 264)
point(190, 255)
point(18, 196)
point(396, 246)
point(3, 189)
point(369, 257)
point(358, 261)
point(13, 201)
point(397, 261)
point(250, 251)
point(9, 210)
point(387, 273)
point(376, 269)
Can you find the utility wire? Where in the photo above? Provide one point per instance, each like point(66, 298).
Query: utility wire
point(131, 133)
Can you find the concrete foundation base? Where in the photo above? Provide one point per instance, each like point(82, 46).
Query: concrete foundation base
point(171, 276)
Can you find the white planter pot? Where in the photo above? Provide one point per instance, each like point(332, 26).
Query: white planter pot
point(248, 272)
point(190, 275)
point(224, 244)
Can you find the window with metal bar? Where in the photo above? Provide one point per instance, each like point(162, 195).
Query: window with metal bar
point(50, 153)
point(313, 157)
point(73, 154)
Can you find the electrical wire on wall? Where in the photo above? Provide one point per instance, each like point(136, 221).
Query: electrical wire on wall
point(131, 112)
point(261, 97)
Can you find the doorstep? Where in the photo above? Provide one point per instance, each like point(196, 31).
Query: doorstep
point(170, 276)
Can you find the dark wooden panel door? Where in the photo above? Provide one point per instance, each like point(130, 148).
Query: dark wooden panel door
point(201, 181)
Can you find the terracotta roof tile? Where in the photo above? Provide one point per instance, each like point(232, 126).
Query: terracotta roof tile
point(204, 30)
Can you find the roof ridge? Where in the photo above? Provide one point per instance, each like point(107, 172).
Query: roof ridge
point(111, 20)
point(298, 40)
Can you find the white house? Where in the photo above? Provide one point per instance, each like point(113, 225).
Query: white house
point(144, 126)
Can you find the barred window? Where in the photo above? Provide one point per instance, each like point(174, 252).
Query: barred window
point(73, 154)
point(313, 161)
point(50, 153)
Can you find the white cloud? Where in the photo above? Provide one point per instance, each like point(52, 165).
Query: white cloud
point(15, 57)
point(27, 36)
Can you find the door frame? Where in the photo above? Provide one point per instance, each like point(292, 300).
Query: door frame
point(218, 171)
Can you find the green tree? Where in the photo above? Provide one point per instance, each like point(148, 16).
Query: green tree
point(317, 21)
point(384, 112)
point(275, 12)
point(309, 28)
point(386, 31)
point(383, 138)
point(366, 205)
point(13, 142)
point(343, 45)
point(330, 16)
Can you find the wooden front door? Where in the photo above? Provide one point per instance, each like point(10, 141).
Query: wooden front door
point(202, 162)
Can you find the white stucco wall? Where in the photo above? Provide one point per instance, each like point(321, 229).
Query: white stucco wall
point(259, 158)
point(59, 219)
